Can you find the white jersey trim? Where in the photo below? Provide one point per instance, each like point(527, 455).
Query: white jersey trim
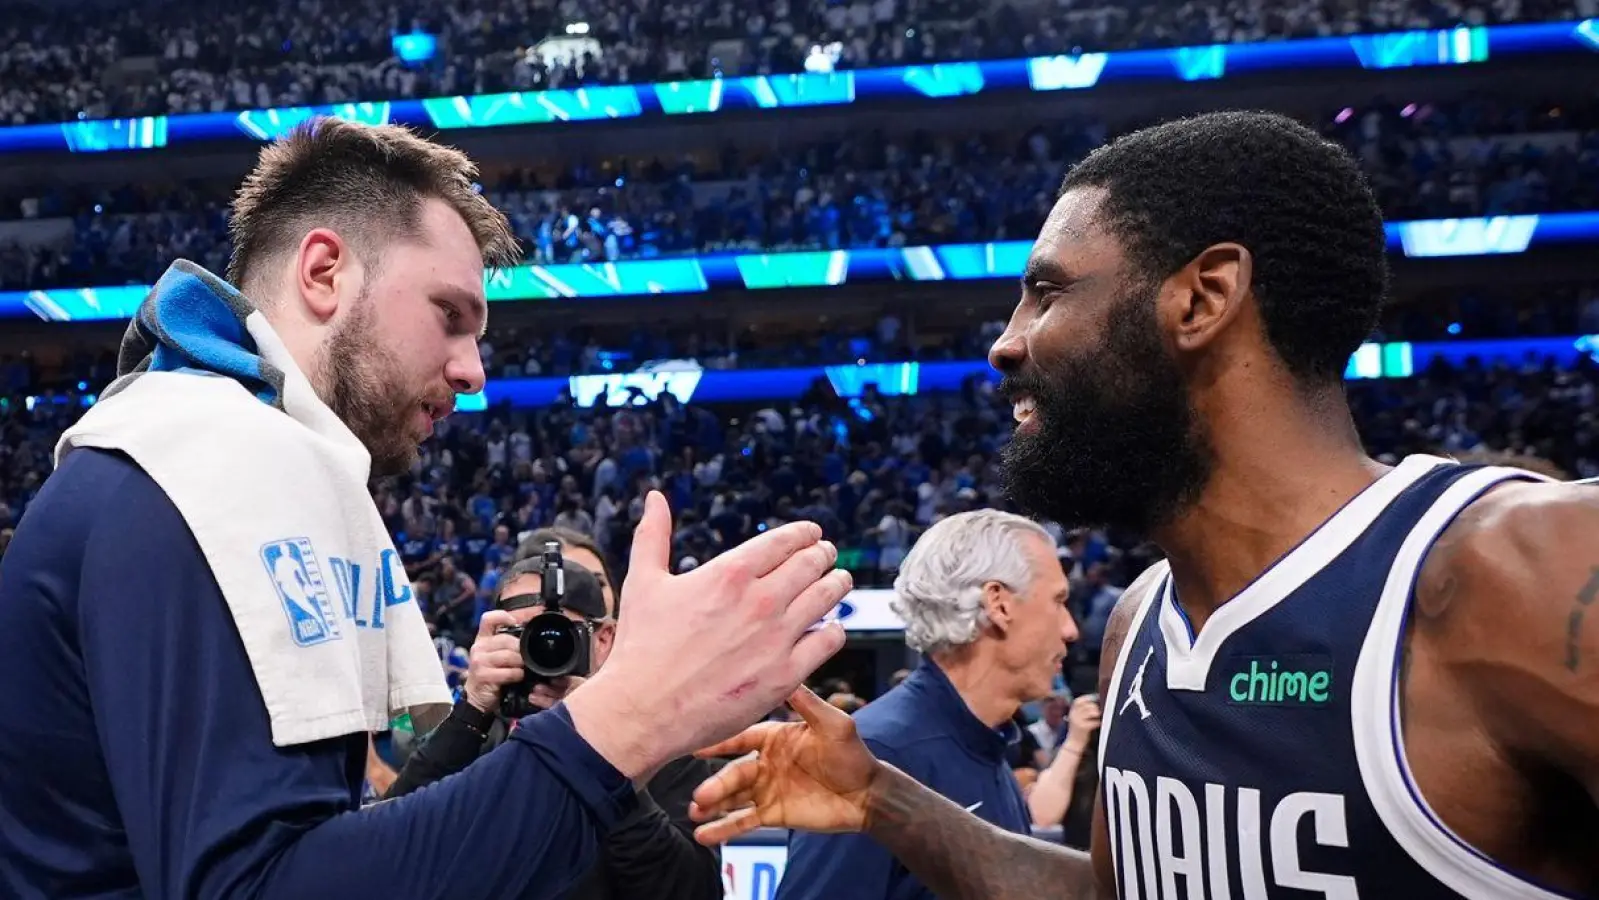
point(1109, 705)
point(1189, 658)
point(1378, 731)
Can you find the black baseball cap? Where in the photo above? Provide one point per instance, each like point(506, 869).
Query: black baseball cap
point(583, 595)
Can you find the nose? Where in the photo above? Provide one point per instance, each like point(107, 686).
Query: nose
point(464, 371)
point(1068, 627)
point(1009, 350)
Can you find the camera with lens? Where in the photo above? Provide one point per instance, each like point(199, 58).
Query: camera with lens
point(553, 644)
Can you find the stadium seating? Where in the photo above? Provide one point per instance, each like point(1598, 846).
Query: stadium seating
point(1475, 157)
point(166, 57)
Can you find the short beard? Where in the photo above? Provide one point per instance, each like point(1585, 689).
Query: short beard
point(1118, 441)
point(364, 388)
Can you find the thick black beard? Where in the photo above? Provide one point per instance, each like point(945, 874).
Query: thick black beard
point(1118, 441)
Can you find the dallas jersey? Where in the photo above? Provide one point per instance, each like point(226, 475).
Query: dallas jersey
point(1263, 758)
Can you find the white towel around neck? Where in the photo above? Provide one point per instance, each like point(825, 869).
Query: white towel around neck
point(277, 500)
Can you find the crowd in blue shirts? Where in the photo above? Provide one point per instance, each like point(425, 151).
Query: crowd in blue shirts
point(1476, 157)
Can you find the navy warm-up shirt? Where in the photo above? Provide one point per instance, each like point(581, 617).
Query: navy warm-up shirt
point(926, 730)
point(136, 757)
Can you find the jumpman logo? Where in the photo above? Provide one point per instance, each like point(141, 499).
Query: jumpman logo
point(1135, 693)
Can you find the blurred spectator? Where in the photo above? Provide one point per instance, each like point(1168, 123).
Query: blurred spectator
point(874, 482)
point(172, 58)
point(1471, 158)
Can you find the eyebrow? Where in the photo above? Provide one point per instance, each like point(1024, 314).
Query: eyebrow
point(1043, 268)
point(469, 299)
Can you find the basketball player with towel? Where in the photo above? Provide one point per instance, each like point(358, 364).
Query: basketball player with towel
point(1348, 680)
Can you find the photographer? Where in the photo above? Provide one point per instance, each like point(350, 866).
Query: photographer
point(651, 853)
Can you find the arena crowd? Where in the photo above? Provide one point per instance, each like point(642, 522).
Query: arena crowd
point(178, 58)
point(1478, 157)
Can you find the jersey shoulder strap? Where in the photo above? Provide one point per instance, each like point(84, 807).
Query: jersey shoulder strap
point(1151, 583)
point(1375, 712)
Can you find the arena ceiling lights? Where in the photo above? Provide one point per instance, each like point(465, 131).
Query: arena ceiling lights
point(1397, 50)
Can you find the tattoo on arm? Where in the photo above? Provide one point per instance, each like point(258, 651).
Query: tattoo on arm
point(961, 857)
point(1585, 599)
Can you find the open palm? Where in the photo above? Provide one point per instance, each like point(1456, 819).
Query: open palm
point(811, 775)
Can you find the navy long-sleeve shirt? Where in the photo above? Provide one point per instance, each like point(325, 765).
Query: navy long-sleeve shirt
point(924, 728)
point(136, 756)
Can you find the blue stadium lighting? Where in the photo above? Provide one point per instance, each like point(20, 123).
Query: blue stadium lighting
point(1490, 236)
point(415, 48)
point(1372, 361)
point(1400, 50)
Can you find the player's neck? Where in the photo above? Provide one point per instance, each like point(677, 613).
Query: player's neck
point(1278, 475)
point(985, 685)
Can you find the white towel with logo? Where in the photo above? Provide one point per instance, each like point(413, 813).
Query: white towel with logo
point(274, 488)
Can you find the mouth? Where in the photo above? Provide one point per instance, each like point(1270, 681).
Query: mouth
point(1023, 409)
point(436, 412)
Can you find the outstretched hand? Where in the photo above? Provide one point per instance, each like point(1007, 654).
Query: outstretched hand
point(811, 775)
point(702, 654)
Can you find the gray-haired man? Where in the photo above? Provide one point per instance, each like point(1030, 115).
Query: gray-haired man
point(983, 597)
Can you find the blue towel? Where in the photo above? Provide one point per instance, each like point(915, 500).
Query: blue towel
point(193, 322)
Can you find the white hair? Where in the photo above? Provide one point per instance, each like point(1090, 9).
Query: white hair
point(939, 591)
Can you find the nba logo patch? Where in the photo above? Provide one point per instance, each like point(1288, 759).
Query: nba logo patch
point(294, 570)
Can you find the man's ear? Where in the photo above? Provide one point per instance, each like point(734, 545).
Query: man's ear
point(997, 604)
point(604, 636)
point(323, 259)
point(1205, 297)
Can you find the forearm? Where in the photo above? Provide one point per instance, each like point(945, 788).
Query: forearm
point(526, 822)
point(647, 857)
point(454, 745)
point(961, 857)
point(1052, 792)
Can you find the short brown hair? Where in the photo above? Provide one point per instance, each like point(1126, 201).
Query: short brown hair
point(365, 181)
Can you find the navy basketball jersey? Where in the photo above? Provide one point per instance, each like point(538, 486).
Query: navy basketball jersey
point(1263, 758)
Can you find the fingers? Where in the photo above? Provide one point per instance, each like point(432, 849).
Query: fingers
point(750, 739)
point(543, 697)
point(741, 800)
point(823, 718)
point(502, 660)
point(816, 601)
point(494, 620)
point(487, 643)
point(800, 571)
point(814, 649)
point(761, 555)
point(734, 780)
point(652, 542)
point(723, 830)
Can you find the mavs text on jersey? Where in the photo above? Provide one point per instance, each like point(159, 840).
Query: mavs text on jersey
point(1263, 758)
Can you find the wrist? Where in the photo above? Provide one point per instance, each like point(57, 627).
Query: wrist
point(604, 715)
point(879, 794)
point(473, 717)
point(488, 706)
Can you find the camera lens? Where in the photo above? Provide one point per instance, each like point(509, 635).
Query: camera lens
point(549, 645)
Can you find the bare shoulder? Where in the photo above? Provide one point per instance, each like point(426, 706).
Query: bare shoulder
point(1525, 550)
point(1506, 603)
point(1121, 621)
